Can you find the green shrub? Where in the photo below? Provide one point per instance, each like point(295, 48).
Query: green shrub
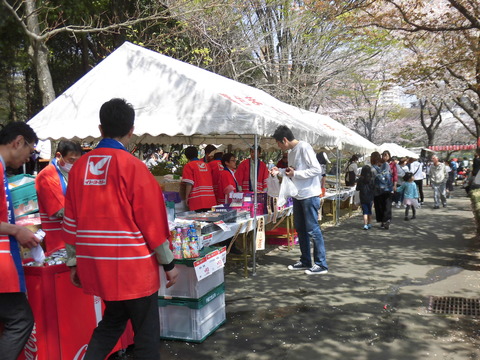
point(475, 199)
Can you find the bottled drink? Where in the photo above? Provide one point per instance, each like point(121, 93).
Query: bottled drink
point(193, 241)
point(177, 244)
point(186, 243)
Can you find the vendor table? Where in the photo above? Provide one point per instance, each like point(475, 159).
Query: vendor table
point(337, 196)
point(241, 229)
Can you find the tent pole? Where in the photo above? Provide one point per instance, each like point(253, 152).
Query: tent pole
point(254, 249)
point(337, 195)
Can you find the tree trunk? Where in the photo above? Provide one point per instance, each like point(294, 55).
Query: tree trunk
point(39, 54)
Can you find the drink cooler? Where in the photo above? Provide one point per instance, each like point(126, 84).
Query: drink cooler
point(65, 316)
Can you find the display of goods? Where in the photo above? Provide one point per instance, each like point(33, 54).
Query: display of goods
point(209, 216)
point(185, 242)
point(56, 258)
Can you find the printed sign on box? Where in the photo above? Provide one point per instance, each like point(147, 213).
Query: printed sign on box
point(210, 263)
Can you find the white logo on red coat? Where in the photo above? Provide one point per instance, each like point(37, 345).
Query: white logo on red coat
point(97, 170)
point(202, 166)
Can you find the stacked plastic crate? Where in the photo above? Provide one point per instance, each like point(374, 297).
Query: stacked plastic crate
point(24, 195)
point(194, 307)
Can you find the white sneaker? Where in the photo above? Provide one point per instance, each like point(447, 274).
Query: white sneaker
point(297, 266)
point(316, 270)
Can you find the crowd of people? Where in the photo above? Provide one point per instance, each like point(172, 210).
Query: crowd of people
point(390, 181)
point(132, 224)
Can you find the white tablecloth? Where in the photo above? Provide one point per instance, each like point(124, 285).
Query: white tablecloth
point(245, 225)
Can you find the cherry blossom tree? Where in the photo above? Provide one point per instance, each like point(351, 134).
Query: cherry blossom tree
point(443, 40)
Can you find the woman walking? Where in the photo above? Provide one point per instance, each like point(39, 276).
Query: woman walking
point(383, 190)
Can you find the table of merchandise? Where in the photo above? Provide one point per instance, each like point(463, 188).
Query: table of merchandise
point(334, 196)
point(241, 229)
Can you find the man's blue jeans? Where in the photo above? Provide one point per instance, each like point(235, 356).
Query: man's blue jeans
point(305, 217)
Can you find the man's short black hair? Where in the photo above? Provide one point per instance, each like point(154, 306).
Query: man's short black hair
point(227, 157)
point(117, 118)
point(10, 132)
point(283, 132)
point(66, 146)
point(191, 152)
point(209, 148)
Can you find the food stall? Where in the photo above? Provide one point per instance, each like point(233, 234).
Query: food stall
point(187, 105)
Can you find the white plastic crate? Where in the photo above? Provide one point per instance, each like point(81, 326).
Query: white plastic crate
point(192, 319)
point(187, 285)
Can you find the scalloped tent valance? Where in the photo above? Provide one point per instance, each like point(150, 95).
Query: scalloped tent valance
point(176, 102)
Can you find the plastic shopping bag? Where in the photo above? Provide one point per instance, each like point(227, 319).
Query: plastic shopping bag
point(273, 186)
point(287, 189)
point(356, 197)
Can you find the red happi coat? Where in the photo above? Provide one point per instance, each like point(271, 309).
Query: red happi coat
point(10, 280)
point(197, 174)
point(226, 178)
point(216, 168)
point(115, 216)
point(243, 176)
point(50, 201)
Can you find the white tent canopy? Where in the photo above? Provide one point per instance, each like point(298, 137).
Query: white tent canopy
point(397, 150)
point(176, 102)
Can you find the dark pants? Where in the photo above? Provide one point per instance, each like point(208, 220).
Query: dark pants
point(143, 313)
point(17, 318)
point(383, 207)
point(420, 189)
point(407, 208)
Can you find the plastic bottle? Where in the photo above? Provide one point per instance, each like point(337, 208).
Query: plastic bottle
point(193, 241)
point(177, 244)
point(186, 243)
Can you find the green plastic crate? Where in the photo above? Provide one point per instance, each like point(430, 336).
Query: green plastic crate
point(24, 197)
point(192, 319)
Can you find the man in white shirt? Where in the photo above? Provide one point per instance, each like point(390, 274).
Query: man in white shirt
point(305, 172)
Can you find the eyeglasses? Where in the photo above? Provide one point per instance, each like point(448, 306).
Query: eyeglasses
point(32, 147)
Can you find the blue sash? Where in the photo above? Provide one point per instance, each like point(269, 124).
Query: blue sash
point(14, 248)
point(60, 175)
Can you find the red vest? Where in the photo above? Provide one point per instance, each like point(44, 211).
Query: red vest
point(197, 174)
point(115, 216)
point(50, 201)
point(9, 282)
point(243, 176)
